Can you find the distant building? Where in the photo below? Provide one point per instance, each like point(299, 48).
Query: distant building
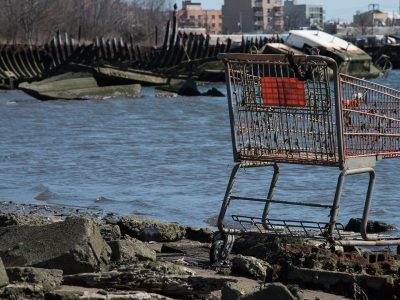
point(303, 15)
point(396, 20)
point(374, 17)
point(245, 16)
point(192, 15)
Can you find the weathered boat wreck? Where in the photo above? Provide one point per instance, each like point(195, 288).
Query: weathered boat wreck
point(115, 62)
point(381, 47)
point(351, 60)
point(76, 86)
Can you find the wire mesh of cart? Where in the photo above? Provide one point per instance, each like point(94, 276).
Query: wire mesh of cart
point(298, 109)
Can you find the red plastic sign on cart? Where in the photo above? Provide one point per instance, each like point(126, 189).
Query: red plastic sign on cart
point(277, 91)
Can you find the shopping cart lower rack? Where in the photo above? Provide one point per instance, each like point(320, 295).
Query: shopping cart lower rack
point(300, 110)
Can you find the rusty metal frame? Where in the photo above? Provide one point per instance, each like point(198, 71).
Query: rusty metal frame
point(331, 231)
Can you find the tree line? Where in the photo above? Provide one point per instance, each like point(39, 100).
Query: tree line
point(36, 21)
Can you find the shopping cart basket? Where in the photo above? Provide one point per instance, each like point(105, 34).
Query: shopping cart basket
point(300, 110)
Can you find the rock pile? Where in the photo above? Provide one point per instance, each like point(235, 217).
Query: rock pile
point(130, 258)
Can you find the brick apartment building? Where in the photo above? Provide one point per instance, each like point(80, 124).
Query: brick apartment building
point(303, 15)
point(373, 17)
point(250, 16)
point(245, 16)
point(192, 15)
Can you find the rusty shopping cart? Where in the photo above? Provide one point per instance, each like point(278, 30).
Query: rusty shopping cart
point(300, 110)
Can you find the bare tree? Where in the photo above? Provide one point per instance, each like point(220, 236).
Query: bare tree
point(8, 17)
point(30, 21)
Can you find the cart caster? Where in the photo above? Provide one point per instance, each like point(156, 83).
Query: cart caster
point(221, 248)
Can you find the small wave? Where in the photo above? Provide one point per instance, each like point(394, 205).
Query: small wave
point(44, 196)
point(41, 187)
point(102, 199)
point(45, 193)
point(142, 203)
point(140, 213)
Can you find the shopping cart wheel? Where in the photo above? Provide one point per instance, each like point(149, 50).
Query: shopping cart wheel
point(216, 253)
point(221, 248)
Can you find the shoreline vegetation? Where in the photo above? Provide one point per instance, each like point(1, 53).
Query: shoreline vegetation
point(61, 252)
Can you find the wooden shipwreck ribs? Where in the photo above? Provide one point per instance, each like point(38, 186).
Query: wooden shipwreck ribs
point(180, 55)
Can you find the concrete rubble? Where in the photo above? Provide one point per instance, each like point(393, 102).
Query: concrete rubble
point(74, 245)
point(151, 230)
point(130, 258)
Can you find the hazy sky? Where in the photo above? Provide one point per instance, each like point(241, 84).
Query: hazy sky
point(335, 9)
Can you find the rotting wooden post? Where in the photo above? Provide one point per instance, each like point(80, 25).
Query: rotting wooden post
point(79, 33)
point(156, 36)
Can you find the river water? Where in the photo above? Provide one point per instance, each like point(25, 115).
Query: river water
point(163, 158)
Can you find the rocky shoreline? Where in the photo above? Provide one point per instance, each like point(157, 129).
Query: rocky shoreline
point(57, 252)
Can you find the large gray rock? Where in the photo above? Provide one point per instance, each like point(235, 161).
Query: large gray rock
point(232, 291)
point(73, 246)
point(48, 279)
point(251, 267)
point(372, 226)
point(273, 291)
point(130, 250)
point(3, 275)
point(151, 230)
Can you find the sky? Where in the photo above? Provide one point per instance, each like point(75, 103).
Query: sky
point(335, 9)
